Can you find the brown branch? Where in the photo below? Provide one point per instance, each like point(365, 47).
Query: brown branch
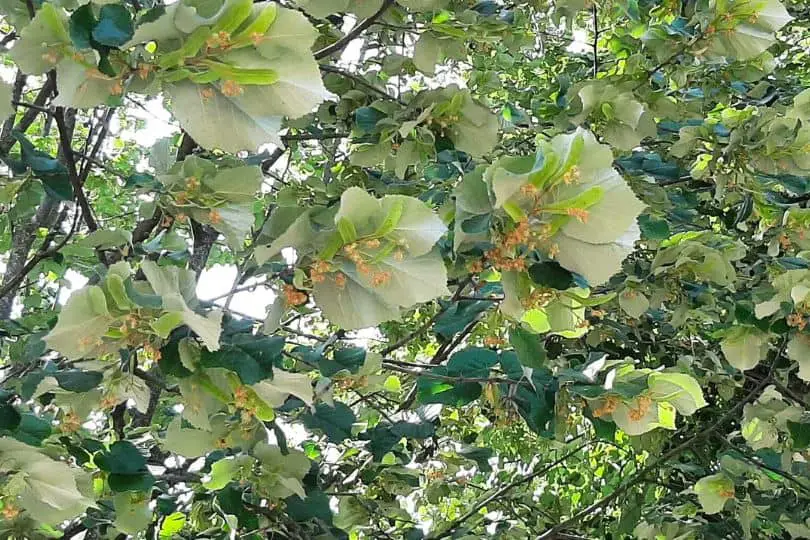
point(314, 136)
point(355, 32)
point(70, 162)
point(33, 109)
point(595, 45)
point(102, 134)
point(43, 253)
point(361, 82)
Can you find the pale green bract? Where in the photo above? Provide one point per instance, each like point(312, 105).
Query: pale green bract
point(627, 120)
point(46, 489)
point(395, 266)
point(233, 96)
point(766, 419)
point(5, 100)
point(593, 246)
point(249, 115)
point(761, 19)
point(96, 320)
point(744, 347)
point(221, 197)
point(43, 42)
point(713, 492)
point(471, 126)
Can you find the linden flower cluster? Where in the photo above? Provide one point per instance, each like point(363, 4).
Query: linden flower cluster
point(293, 296)
point(186, 198)
point(530, 232)
point(611, 403)
point(607, 407)
point(320, 271)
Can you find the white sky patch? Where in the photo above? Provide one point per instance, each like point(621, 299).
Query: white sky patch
point(218, 280)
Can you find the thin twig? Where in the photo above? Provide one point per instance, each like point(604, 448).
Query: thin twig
point(70, 162)
point(355, 32)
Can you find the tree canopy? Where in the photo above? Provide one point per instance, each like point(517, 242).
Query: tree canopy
point(532, 269)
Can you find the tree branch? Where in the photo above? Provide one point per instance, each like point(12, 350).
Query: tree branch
point(355, 32)
point(361, 82)
point(65, 139)
point(32, 110)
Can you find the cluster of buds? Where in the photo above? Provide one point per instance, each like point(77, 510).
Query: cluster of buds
point(144, 70)
point(293, 296)
point(378, 278)
point(579, 213)
point(232, 88)
point(476, 266)
point(134, 330)
point(444, 122)
point(87, 342)
point(152, 352)
point(9, 511)
point(504, 262)
point(493, 341)
point(320, 270)
point(608, 407)
point(539, 298)
point(797, 320)
point(51, 57)
point(220, 40)
point(71, 423)
point(572, 175)
point(637, 413)
point(207, 93)
point(108, 402)
point(434, 474)
point(214, 217)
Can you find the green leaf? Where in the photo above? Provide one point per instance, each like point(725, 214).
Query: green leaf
point(235, 359)
point(172, 525)
point(108, 238)
point(678, 389)
point(80, 89)
point(427, 53)
point(713, 492)
point(800, 433)
point(41, 43)
point(468, 363)
point(528, 347)
point(9, 417)
point(284, 384)
point(634, 303)
point(349, 359)
point(551, 274)
point(82, 322)
point(46, 488)
point(176, 287)
point(6, 109)
point(121, 458)
point(189, 443)
point(114, 26)
point(132, 513)
point(798, 350)
point(335, 422)
point(75, 380)
point(744, 347)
